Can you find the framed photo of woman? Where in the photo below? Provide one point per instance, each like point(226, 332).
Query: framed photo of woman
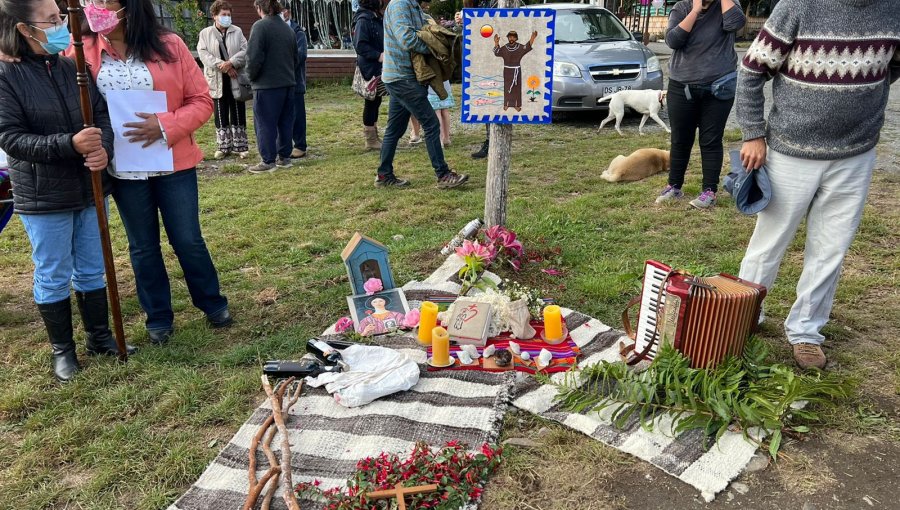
point(378, 313)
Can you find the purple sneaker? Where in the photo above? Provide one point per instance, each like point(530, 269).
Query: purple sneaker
point(706, 200)
point(669, 194)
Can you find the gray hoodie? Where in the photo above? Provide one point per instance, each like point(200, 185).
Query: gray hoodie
point(706, 53)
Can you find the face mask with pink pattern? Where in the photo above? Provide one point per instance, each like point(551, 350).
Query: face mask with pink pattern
point(101, 21)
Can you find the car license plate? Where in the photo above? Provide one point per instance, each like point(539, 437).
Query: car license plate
point(612, 90)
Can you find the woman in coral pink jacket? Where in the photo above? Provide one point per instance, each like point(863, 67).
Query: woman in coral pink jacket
point(127, 49)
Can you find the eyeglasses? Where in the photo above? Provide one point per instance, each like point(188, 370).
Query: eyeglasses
point(61, 21)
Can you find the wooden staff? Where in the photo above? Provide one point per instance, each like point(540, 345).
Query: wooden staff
point(87, 115)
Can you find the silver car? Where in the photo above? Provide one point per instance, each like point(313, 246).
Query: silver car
point(595, 56)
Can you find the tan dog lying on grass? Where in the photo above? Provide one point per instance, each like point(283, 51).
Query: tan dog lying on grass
point(641, 164)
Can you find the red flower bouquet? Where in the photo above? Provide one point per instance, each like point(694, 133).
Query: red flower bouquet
point(459, 475)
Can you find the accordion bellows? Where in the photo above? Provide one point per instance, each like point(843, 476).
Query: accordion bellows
point(706, 319)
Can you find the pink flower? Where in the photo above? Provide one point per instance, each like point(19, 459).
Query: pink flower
point(477, 250)
point(494, 232)
point(509, 242)
point(372, 286)
point(552, 272)
point(411, 319)
point(343, 324)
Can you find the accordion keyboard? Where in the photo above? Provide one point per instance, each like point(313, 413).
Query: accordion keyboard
point(651, 299)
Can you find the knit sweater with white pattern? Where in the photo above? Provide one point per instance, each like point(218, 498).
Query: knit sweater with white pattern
point(832, 63)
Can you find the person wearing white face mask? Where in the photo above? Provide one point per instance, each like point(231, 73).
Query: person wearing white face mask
point(51, 158)
point(223, 51)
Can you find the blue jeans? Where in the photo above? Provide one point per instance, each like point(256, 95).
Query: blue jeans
point(273, 120)
point(300, 122)
point(66, 250)
point(409, 97)
point(175, 198)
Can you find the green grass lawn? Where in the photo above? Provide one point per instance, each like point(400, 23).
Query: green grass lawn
point(137, 435)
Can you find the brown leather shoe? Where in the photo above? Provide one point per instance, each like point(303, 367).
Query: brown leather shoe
point(809, 356)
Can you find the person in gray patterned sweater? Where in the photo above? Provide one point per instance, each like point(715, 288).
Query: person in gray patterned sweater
point(831, 63)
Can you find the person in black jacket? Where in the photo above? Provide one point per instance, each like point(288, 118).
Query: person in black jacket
point(368, 39)
point(50, 160)
point(271, 65)
point(299, 131)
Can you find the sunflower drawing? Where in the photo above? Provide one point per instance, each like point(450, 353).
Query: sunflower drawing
point(533, 83)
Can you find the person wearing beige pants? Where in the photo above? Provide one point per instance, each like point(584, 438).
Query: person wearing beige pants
point(831, 196)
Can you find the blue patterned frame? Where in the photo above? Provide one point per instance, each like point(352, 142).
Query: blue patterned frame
point(513, 118)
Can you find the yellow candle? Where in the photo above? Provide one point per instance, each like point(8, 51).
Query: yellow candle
point(427, 321)
point(552, 322)
point(440, 346)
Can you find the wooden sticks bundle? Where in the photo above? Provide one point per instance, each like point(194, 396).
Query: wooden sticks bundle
point(264, 437)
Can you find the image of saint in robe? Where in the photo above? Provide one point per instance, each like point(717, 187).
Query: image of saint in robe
point(512, 54)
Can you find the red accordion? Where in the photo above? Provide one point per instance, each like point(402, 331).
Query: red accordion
point(705, 319)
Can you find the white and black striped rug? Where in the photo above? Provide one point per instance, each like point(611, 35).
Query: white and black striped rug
point(327, 439)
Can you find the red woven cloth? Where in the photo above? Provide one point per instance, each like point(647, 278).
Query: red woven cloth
point(564, 353)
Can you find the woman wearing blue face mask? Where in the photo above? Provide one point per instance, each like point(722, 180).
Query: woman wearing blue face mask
point(50, 160)
point(223, 51)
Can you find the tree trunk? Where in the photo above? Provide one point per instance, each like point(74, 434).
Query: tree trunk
point(497, 174)
point(498, 164)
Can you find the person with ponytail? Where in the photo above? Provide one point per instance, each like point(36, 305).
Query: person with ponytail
point(127, 48)
point(51, 157)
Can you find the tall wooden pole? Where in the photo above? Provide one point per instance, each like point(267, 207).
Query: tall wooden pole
point(87, 115)
point(496, 188)
point(500, 146)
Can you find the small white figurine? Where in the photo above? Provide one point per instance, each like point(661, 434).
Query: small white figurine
point(489, 351)
point(465, 358)
point(515, 348)
point(544, 358)
point(472, 350)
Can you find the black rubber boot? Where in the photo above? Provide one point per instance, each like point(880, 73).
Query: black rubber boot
point(95, 316)
point(58, 320)
point(482, 152)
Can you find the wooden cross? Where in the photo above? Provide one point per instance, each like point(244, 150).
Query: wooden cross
point(400, 492)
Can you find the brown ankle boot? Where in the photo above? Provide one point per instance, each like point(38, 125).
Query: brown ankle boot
point(809, 356)
point(372, 142)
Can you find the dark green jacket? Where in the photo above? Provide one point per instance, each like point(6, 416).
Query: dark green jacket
point(437, 67)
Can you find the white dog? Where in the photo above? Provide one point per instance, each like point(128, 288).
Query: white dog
point(646, 102)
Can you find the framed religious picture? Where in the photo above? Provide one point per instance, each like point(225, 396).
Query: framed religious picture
point(378, 313)
point(507, 66)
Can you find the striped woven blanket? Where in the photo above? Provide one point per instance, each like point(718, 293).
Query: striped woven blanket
point(327, 440)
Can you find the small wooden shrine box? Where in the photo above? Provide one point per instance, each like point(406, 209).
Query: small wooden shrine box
point(366, 258)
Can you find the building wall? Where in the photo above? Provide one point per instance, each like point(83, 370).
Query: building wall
point(243, 15)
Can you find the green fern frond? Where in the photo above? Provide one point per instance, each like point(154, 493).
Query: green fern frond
point(740, 391)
